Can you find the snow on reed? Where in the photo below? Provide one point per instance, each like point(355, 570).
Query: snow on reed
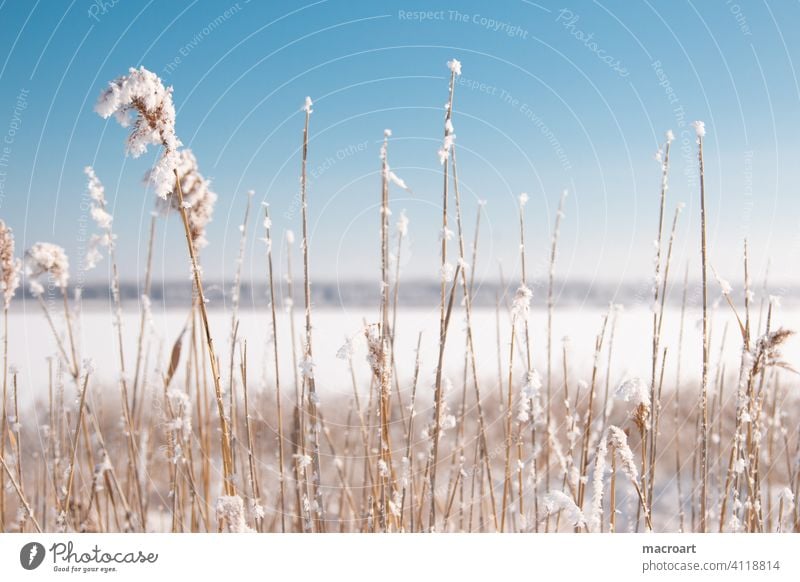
point(140, 100)
point(555, 501)
point(49, 259)
point(10, 266)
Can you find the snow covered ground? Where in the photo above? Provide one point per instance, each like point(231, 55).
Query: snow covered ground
point(31, 341)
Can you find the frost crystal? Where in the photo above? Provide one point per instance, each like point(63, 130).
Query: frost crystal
point(10, 266)
point(786, 496)
point(724, 286)
point(198, 198)
point(402, 225)
point(307, 367)
point(533, 384)
point(102, 218)
point(634, 390)
point(46, 258)
point(230, 513)
point(346, 351)
point(454, 66)
point(618, 439)
point(303, 461)
point(598, 485)
point(141, 93)
point(447, 272)
point(556, 501)
point(520, 307)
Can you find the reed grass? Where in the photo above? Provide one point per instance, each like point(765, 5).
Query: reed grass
point(593, 455)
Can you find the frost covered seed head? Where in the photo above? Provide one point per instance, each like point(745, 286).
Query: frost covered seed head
point(556, 501)
point(520, 307)
point(618, 440)
point(198, 198)
point(230, 514)
point(95, 187)
point(454, 66)
point(637, 392)
point(699, 128)
point(10, 266)
point(142, 95)
point(634, 390)
point(47, 258)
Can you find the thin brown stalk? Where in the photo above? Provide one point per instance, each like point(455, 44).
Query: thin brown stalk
point(21, 495)
point(467, 288)
point(704, 381)
point(74, 453)
point(308, 376)
point(550, 305)
point(268, 227)
point(148, 278)
point(438, 404)
point(225, 436)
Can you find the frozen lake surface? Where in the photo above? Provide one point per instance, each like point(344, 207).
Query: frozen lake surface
point(31, 341)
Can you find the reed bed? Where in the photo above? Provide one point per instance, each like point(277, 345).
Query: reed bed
point(190, 441)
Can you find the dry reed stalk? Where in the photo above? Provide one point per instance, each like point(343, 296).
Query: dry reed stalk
point(550, 305)
point(21, 495)
point(677, 408)
point(225, 436)
point(407, 476)
point(74, 452)
point(10, 268)
point(133, 477)
point(381, 355)
point(298, 417)
point(255, 486)
point(520, 309)
point(657, 280)
point(704, 381)
point(4, 420)
point(660, 298)
point(583, 471)
point(467, 288)
point(614, 311)
point(279, 413)
point(507, 439)
point(144, 313)
point(444, 153)
point(308, 372)
point(235, 302)
point(619, 443)
point(438, 405)
point(16, 429)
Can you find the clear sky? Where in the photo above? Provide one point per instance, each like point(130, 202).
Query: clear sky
point(575, 94)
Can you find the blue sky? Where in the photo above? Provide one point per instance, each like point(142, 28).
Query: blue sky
point(561, 95)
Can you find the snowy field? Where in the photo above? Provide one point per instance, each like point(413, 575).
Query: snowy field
point(31, 341)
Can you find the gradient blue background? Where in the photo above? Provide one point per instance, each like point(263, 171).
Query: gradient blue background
point(242, 78)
